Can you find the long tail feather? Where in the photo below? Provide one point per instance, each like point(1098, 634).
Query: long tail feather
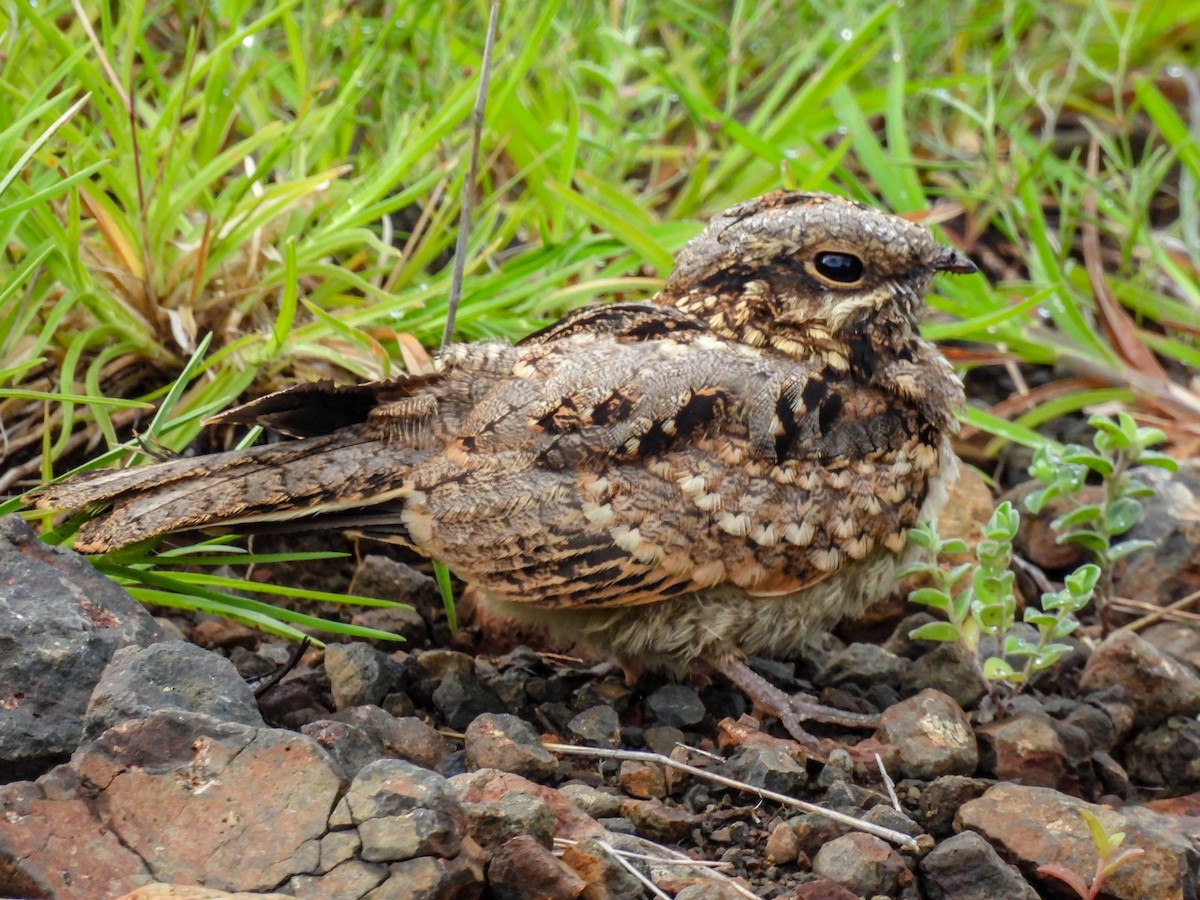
point(338, 473)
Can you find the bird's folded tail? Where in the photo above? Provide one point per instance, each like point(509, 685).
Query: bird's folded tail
point(329, 476)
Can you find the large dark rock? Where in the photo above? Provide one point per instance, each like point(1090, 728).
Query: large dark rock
point(61, 621)
point(1171, 520)
point(169, 675)
point(1035, 826)
point(176, 797)
point(965, 867)
point(1158, 685)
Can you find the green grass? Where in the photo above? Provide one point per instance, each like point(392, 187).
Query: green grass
point(195, 208)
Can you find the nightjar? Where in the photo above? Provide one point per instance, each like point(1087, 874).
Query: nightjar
point(709, 475)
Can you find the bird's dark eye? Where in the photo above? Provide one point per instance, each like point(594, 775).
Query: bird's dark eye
point(843, 267)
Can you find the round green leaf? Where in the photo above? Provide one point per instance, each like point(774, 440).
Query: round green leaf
point(935, 631)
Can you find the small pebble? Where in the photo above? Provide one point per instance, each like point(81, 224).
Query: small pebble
point(862, 863)
point(772, 768)
point(642, 779)
point(932, 734)
point(501, 741)
point(596, 803)
point(675, 705)
point(460, 698)
point(494, 822)
point(359, 674)
point(863, 665)
point(598, 726)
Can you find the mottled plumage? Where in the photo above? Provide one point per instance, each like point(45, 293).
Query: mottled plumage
point(712, 474)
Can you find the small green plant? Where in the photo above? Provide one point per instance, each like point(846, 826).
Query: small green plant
point(1095, 521)
point(977, 600)
point(1109, 858)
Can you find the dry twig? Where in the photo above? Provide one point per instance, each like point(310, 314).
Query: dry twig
point(900, 840)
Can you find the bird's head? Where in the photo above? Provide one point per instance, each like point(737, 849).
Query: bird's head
point(805, 272)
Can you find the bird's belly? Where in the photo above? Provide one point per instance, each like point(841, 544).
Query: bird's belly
point(718, 622)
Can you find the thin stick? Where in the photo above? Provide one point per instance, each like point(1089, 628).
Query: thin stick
point(464, 212)
point(712, 870)
point(900, 840)
point(690, 749)
point(888, 783)
point(1158, 614)
point(633, 870)
point(646, 857)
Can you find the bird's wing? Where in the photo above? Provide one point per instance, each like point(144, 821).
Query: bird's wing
point(322, 407)
point(357, 445)
point(611, 470)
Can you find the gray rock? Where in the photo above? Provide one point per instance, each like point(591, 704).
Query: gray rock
point(336, 848)
point(941, 799)
point(403, 811)
point(398, 620)
point(599, 726)
point(1096, 724)
point(1160, 685)
point(946, 668)
point(1168, 756)
point(860, 862)
point(708, 890)
point(418, 832)
point(596, 803)
point(847, 796)
point(351, 747)
point(495, 822)
point(406, 737)
point(387, 579)
point(170, 675)
point(655, 820)
point(353, 878)
point(662, 738)
point(932, 734)
point(1180, 640)
point(461, 697)
point(772, 768)
point(250, 665)
point(888, 816)
point(965, 867)
point(434, 878)
point(1170, 520)
point(864, 665)
point(61, 621)
point(359, 674)
point(676, 705)
point(501, 741)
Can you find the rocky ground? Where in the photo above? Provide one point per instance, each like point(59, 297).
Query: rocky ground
point(140, 752)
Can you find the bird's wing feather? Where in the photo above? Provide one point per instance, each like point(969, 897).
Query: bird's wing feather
point(611, 472)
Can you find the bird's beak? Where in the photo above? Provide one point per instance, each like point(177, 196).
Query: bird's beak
point(950, 260)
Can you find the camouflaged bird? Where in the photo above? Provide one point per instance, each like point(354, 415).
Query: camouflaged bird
point(711, 475)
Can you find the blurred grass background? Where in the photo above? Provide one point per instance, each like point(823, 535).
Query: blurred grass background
point(202, 202)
